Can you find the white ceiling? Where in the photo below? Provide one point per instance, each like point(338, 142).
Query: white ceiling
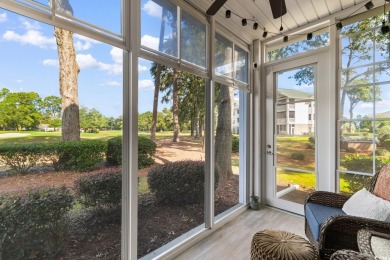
point(300, 13)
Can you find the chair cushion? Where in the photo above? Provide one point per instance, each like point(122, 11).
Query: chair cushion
point(316, 214)
point(365, 204)
point(382, 184)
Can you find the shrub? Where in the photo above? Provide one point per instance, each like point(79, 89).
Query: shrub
point(69, 155)
point(103, 188)
point(180, 182)
point(386, 143)
point(297, 156)
point(311, 146)
point(359, 163)
point(350, 150)
point(312, 140)
point(34, 222)
point(79, 155)
point(356, 182)
point(235, 144)
point(21, 157)
point(381, 152)
point(146, 151)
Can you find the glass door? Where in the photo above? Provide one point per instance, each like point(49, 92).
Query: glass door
point(292, 145)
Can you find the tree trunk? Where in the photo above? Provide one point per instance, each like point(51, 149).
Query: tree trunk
point(175, 100)
point(155, 102)
point(69, 71)
point(223, 137)
point(200, 127)
point(196, 122)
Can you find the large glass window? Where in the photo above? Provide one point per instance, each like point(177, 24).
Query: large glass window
point(223, 56)
point(299, 45)
point(193, 40)
point(171, 123)
point(62, 199)
point(159, 26)
point(240, 64)
point(105, 15)
point(229, 142)
point(364, 119)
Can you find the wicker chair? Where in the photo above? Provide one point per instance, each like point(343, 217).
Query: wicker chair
point(349, 255)
point(364, 242)
point(339, 232)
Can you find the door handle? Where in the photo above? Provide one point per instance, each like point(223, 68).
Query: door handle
point(269, 149)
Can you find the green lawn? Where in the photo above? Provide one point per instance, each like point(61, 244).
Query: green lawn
point(47, 137)
point(303, 179)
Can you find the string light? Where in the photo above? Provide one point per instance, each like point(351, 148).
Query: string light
point(369, 5)
point(309, 36)
point(385, 28)
point(228, 14)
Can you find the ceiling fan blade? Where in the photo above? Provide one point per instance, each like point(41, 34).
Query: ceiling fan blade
point(278, 8)
point(213, 9)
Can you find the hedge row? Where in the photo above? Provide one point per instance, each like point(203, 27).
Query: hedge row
point(69, 155)
point(34, 223)
point(146, 151)
point(72, 155)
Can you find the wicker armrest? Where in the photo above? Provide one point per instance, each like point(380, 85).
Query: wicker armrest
point(364, 239)
point(340, 232)
point(326, 198)
point(350, 254)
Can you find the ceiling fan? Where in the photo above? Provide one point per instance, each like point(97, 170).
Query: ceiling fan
point(278, 7)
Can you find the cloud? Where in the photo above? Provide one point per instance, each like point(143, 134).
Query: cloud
point(82, 46)
point(30, 26)
point(152, 9)
point(3, 17)
point(19, 81)
point(82, 43)
point(145, 84)
point(117, 55)
point(31, 37)
point(50, 62)
point(150, 41)
point(111, 83)
point(87, 61)
point(142, 68)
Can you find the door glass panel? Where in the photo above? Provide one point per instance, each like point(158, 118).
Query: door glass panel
point(295, 159)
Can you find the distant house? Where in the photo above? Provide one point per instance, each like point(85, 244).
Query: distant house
point(295, 112)
point(46, 128)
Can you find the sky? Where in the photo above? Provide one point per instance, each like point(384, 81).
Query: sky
point(29, 61)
